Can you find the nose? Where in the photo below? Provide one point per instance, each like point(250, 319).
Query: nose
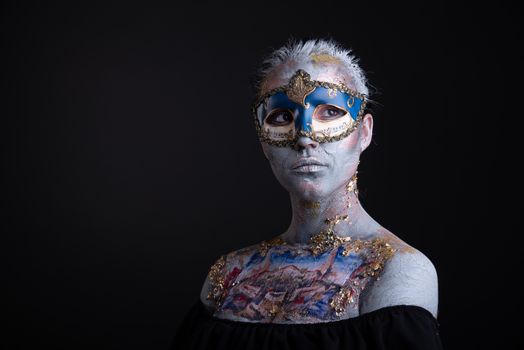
point(305, 142)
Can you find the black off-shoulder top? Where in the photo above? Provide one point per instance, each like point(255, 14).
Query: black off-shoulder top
point(405, 327)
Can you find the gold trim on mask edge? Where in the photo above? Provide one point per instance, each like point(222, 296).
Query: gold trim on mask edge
point(312, 83)
point(263, 135)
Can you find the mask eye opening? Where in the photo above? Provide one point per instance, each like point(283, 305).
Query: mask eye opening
point(326, 108)
point(286, 117)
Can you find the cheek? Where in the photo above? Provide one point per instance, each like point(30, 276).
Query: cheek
point(276, 156)
point(351, 142)
point(345, 155)
point(344, 149)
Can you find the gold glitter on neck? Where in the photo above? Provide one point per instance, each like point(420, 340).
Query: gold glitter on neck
point(352, 184)
point(314, 206)
point(311, 204)
point(328, 239)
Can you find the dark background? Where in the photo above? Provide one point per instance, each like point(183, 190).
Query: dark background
point(131, 160)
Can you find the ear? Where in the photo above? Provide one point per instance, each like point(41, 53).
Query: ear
point(366, 131)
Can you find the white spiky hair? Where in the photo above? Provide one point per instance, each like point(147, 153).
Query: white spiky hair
point(301, 53)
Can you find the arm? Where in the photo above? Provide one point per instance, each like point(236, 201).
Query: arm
point(408, 278)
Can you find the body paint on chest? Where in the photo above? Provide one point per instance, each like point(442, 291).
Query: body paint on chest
point(290, 285)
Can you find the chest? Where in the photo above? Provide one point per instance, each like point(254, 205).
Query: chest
point(287, 285)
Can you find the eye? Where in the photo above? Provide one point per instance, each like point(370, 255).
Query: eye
point(279, 117)
point(329, 112)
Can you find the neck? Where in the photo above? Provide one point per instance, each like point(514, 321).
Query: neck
point(309, 217)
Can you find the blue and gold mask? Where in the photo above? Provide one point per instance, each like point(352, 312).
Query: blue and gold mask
point(322, 111)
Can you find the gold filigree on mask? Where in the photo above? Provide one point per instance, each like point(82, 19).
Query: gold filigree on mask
point(351, 101)
point(299, 87)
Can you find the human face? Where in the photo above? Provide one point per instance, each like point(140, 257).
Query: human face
point(311, 169)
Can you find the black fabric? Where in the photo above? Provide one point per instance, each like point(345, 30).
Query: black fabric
point(394, 327)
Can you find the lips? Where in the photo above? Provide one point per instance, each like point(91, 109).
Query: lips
point(307, 161)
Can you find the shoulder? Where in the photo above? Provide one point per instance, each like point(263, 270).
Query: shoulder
point(408, 278)
point(215, 281)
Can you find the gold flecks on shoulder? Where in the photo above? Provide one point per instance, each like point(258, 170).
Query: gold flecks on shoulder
point(399, 244)
point(216, 278)
point(376, 252)
point(380, 251)
point(340, 301)
point(267, 244)
point(300, 86)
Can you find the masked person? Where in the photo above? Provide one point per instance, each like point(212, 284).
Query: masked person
point(335, 279)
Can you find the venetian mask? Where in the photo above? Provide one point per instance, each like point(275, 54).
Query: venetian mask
point(322, 111)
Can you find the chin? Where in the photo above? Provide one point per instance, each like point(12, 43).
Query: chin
point(309, 188)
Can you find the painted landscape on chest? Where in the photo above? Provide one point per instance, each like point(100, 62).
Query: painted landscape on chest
point(288, 284)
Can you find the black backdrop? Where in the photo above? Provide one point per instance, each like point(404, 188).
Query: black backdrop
point(131, 160)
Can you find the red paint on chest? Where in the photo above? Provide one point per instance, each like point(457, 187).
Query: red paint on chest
point(299, 300)
point(231, 276)
point(239, 297)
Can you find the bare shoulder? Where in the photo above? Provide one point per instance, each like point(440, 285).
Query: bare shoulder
point(214, 282)
point(408, 278)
